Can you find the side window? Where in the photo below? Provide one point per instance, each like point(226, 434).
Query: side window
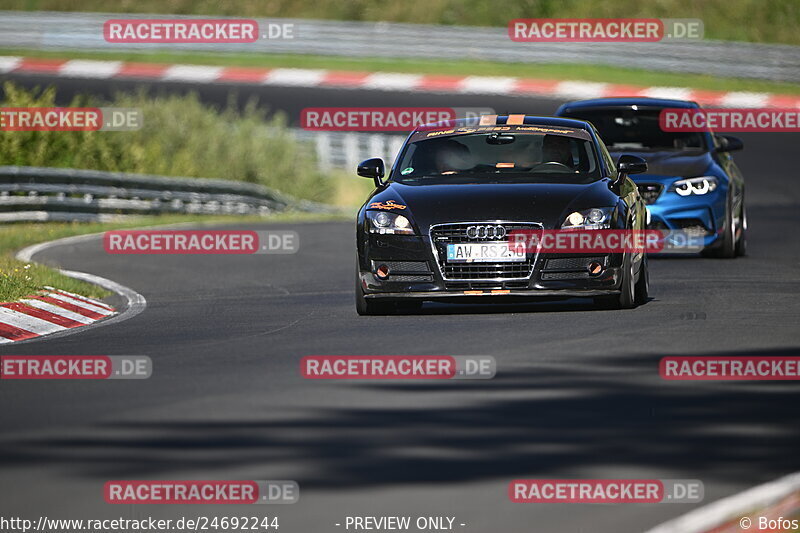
point(612, 166)
point(718, 141)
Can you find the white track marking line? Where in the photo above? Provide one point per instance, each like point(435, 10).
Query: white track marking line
point(389, 81)
point(674, 93)
point(82, 305)
point(191, 73)
point(78, 296)
point(731, 508)
point(295, 77)
point(742, 99)
point(9, 63)
point(487, 85)
point(135, 302)
point(28, 322)
point(80, 68)
point(56, 310)
point(580, 89)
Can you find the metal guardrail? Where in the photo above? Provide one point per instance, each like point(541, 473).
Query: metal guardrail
point(84, 31)
point(344, 150)
point(43, 194)
point(37, 194)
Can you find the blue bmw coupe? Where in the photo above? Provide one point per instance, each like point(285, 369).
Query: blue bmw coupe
point(692, 182)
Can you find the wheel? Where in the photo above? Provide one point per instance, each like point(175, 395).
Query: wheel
point(642, 288)
point(727, 247)
point(370, 307)
point(625, 299)
point(741, 242)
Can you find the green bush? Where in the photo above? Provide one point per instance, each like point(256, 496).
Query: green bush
point(180, 137)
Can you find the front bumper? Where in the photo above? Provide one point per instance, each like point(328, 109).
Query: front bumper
point(415, 271)
point(701, 217)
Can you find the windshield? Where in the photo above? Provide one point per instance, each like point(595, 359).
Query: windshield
point(484, 156)
point(628, 129)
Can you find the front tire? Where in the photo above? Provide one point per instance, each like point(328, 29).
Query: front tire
point(727, 248)
point(642, 289)
point(626, 298)
point(741, 242)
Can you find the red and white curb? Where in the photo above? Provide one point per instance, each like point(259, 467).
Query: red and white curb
point(55, 312)
point(51, 311)
point(381, 81)
point(737, 513)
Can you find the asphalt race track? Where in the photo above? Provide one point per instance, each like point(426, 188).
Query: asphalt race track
point(577, 394)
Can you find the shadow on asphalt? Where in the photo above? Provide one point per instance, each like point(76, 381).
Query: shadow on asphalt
point(550, 420)
point(531, 306)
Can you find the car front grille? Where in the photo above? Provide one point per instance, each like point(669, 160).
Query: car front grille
point(574, 263)
point(405, 270)
point(564, 275)
point(406, 267)
point(410, 277)
point(565, 268)
point(485, 285)
point(456, 233)
point(650, 191)
point(692, 226)
point(657, 225)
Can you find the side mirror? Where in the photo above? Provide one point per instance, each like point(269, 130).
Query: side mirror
point(729, 143)
point(372, 168)
point(631, 164)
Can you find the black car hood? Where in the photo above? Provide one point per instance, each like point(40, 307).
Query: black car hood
point(671, 163)
point(547, 203)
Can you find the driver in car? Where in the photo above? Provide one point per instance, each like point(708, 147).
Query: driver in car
point(557, 149)
point(443, 156)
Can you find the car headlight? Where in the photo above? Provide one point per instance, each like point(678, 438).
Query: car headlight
point(388, 223)
point(700, 186)
point(596, 218)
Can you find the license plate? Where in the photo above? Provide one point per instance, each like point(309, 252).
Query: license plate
point(484, 252)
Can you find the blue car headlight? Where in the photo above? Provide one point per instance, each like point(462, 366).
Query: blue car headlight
point(388, 223)
point(698, 186)
point(595, 218)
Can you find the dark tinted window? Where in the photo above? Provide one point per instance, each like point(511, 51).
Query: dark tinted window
point(550, 156)
point(623, 129)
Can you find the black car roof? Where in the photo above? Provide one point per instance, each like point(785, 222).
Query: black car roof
point(622, 102)
point(501, 120)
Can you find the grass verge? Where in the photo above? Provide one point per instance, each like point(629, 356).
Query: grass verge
point(594, 73)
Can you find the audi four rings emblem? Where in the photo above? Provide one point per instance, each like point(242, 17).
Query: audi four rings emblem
point(486, 232)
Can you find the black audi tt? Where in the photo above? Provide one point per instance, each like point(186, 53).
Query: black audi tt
point(438, 226)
